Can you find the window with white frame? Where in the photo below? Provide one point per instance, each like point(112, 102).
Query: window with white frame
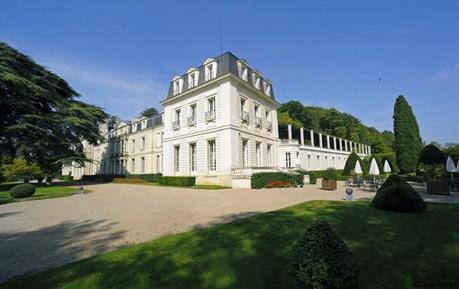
point(288, 160)
point(132, 165)
point(257, 116)
point(210, 114)
point(256, 80)
point(144, 124)
point(142, 147)
point(176, 122)
point(133, 146)
point(269, 152)
point(192, 117)
point(176, 158)
point(142, 165)
point(210, 70)
point(158, 163)
point(242, 70)
point(244, 112)
point(267, 87)
point(193, 79)
point(177, 86)
point(245, 153)
point(212, 155)
point(192, 157)
point(258, 153)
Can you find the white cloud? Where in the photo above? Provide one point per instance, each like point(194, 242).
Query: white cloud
point(447, 73)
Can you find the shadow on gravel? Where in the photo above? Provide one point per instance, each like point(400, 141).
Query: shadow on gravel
point(37, 250)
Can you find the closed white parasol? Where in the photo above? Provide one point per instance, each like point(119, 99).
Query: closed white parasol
point(374, 170)
point(387, 168)
point(450, 167)
point(358, 168)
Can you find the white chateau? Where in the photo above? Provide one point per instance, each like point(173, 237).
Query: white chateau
point(220, 125)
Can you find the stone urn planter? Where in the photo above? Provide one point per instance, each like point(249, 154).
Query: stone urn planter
point(438, 187)
point(329, 184)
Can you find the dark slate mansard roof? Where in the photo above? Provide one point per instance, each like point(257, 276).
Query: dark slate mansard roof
point(226, 63)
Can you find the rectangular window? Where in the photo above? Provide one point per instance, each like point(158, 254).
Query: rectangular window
point(176, 122)
point(143, 143)
point(176, 158)
point(288, 160)
point(244, 113)
point(192, 157)
point(158, 163)
point(257, 116)
point(210, 114)
point(133, 166)
point(245, 153)
point(269, 152)
point(133, 146)
point(142, 165)
point(192, 117)
point(212, 151)
point(258, 153)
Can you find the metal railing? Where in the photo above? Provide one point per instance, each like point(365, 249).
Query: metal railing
point(176, 124)
point(258, 121)
point(245, 116)
point(191, 121)
point(210, 115)
point(269, 125)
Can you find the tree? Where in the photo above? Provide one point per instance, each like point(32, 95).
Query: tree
point(297, 111)
point(408, 141)
point(40, 118)
point(149, 112)
point(20, 169)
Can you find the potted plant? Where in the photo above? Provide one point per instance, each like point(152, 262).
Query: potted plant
point(435, 180)
point(329, 179)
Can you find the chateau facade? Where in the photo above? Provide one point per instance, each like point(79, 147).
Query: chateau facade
point(220, 125)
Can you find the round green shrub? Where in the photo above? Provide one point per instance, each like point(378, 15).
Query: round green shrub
point(350, 164)
point(330, 174)
point(22, 191)
point(397, 195)
point(431, 155)
point(321, 259)
point(312, 178)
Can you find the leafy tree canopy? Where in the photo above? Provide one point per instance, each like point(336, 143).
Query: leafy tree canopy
point(149, 112)
point(333, 122)
point(20, 169)
point(40, 118)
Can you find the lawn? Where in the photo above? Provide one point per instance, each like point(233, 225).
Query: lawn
point(393, 250)
point(40, 193)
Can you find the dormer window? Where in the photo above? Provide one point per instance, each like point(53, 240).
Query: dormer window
point(210, 69)
point(242, 70)
point(177, 85)
point(193, 76)
point(267, 88)
point(256, 80)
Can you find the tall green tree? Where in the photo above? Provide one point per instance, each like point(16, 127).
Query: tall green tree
point(41, 119)
point(149, 112)
point(408, 143)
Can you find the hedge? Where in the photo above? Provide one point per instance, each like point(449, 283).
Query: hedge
point(321, 259)
point(22, 191)
point(178, 181)
point(397, 195)
point(154, 178)
point(350, 164)
point(263, 180)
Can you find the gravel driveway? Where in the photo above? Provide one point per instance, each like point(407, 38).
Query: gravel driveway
point(37, 235)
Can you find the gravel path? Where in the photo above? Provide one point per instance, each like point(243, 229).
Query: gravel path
point(37, 235)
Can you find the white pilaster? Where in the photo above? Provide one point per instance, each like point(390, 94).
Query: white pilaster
point(320, 140)
point(289, 131)
point(328, 142)
point(302, 136)
point(312, 137)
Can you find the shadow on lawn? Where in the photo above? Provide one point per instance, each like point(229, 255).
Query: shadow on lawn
point(393, 250)
point(25, 252)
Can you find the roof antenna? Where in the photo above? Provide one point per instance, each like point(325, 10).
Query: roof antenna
point(221, 38)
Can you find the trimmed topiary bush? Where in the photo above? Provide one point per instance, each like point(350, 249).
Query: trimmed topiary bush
point(350, 164)
point(321, 259)
point(312, 178)
point(154, 178)
point(22, 191)
point(330, 174)
point(397, 195)
point(264, 180)
point(178, 181)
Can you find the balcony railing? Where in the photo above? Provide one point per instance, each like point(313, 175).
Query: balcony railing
point(191, 121)
point(269, 125)
point(258, 121)
point(210, 115)
point(176, 125)
point(245, 116)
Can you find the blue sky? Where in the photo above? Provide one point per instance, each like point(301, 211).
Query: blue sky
point(356, 56)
